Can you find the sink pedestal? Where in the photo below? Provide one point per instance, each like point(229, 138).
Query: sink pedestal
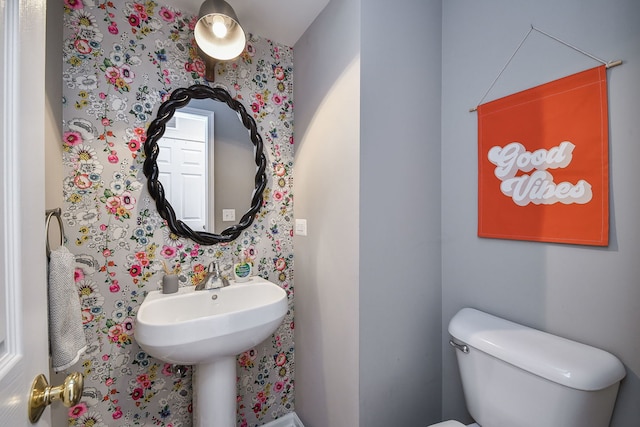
point(214, 393)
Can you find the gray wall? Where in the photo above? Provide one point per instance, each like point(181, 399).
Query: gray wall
point(327, 112)
point(53, 110)
point(584, 293)
point(400, 312)
point(367, 180)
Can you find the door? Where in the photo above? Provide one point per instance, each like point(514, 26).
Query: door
point(23, 303)
point(186, 167)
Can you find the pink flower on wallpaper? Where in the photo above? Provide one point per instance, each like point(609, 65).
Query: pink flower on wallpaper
point(78, 410)
point(251, 252)
point(281, 359)
point(127, 200)
point(78, 275)
point(82, 46)
point(82, 182)
point(167, 14)
point(113, 28)
point(144, 381)
point(87, 316)
point(250, 50)
point(137, 393)
point(126, 73)
point(247, 358)
point(279, 169)
point(168, 251)
point(117, 413)
point(135, 270)
point(74, 4)
point(278, 73)
point(134, 20)
point(127, 325)
point(134, 145)
point(72, 138)
point(199, 67)
point(278, 387)
point(192, 23)
point(114, 332)
point(167, 369)
point(281, 264)
point(112, 73)
point(113, 203)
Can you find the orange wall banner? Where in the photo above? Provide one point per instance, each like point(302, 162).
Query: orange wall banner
point(543, 163)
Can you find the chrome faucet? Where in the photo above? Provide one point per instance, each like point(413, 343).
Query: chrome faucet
point(213, 279)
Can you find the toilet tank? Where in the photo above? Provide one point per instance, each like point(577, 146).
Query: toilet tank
point(513, 375)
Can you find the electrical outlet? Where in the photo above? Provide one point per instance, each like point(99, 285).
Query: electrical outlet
point(228, 214)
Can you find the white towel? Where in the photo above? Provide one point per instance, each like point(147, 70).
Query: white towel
point(67, 340)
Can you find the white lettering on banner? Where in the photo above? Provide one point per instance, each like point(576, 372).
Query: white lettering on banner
point(514, 157)
point(538, 187)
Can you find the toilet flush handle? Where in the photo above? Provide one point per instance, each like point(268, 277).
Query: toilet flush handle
point(462, 347)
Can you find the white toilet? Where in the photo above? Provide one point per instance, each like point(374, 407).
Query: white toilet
point(513, 375)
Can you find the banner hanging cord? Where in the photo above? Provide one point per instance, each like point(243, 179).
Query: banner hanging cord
point(605, 63)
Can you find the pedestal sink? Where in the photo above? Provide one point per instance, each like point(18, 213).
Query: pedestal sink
point(208, 329)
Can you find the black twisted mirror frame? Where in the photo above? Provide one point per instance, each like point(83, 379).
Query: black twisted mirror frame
point(178, 99)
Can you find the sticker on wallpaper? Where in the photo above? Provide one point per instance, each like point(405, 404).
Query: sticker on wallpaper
point(543, 163)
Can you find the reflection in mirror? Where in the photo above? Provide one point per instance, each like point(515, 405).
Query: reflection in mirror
point(203, 165)
point(206, 165)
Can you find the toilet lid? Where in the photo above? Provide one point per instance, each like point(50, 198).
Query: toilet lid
point(450, 423)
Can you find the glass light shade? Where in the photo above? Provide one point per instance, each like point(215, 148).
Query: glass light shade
point(216, 16)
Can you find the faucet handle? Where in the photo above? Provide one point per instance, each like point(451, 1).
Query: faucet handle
point(214, 268)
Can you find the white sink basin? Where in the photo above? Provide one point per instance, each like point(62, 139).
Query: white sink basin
point(193, 327)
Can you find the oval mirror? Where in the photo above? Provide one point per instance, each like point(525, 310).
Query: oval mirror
point(180, 167)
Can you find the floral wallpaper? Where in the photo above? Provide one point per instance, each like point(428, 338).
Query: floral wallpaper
point(121, 60)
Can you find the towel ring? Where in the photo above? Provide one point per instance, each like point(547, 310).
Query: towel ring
point(57, 212)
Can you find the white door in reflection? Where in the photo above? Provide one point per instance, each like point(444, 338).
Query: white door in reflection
point(185, 163)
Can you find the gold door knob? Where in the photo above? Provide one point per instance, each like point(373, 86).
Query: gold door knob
point(42, 394)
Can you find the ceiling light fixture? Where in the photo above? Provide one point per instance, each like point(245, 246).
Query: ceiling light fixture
point(218, 33)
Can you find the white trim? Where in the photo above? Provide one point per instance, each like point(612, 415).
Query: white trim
point(10, 193)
